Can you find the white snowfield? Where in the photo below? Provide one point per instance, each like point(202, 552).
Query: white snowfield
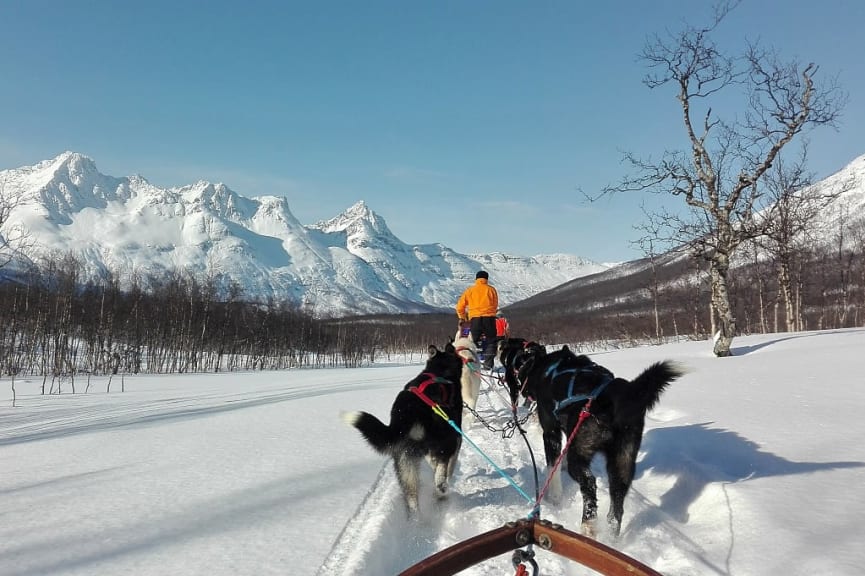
point(750, 465)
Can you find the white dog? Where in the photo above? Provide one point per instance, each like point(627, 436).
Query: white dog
point(470, 382)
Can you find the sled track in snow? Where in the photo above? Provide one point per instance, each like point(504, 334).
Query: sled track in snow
point(380, 539)
point(380, 535)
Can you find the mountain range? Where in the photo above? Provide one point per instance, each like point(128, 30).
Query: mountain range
point(347, 265)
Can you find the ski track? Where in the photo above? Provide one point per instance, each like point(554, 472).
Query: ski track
point(381, 539)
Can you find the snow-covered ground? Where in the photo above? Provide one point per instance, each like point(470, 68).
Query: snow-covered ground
point(750, 465)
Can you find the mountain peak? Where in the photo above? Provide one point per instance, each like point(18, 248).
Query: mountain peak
point(65, 184)
point(74, 164)
point(70, 164)
point(360, 210)
point(354, 219)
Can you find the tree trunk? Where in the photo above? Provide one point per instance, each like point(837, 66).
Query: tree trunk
point(785, 284)
point(726, 328)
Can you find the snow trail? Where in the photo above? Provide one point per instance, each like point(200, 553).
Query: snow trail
point(380, 539)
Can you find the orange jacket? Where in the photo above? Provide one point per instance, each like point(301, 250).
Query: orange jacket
point(480, 299)
point(502, 327)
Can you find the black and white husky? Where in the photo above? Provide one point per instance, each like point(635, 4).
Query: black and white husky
point(415, 430)
point(564, 385)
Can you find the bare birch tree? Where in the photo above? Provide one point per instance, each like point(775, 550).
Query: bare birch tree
point(717, 175)
point(15, 240)
point(647, 243)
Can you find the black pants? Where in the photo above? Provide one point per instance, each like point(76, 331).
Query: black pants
point(485, 326)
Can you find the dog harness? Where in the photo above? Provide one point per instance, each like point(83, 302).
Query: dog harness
point(553, 372)
point(473, 361)
point(443, 383)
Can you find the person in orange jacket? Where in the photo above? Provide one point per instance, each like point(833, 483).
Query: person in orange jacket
point(478, 305)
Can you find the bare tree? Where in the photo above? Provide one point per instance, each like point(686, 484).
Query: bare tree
point(646, 243)
point(845, 259)
point(717, 175)
point(15, 239)
point(857, 237)
point(791, 222)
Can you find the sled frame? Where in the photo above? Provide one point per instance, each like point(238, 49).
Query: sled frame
point(546, 535)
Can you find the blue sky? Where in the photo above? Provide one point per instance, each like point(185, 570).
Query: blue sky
point(470, 123)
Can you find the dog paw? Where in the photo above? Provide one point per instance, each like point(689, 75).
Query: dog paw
point(554, 490)
point(441, 490)
point(615, 527)
point(588, 529)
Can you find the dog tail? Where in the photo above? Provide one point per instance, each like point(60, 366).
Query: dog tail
point(648, 386)
point(379, 435)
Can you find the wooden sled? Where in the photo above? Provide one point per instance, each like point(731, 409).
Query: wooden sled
point(546, 535)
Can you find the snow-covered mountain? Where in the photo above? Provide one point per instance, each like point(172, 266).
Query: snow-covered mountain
point(350, 264)
point(849, 208)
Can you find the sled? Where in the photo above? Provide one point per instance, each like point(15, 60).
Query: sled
point(545, 535)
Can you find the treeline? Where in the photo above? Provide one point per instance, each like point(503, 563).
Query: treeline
point(669, 298)
point(56, 325)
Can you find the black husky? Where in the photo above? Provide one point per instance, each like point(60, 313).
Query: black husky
point(415, 430)
point(513, 354)
point(563, 384)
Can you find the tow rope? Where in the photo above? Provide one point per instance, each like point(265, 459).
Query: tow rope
point(438, 410)
point(584, 413)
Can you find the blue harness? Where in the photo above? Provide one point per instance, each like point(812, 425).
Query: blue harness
point(553, 372)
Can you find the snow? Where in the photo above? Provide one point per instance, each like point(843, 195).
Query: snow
point(750, 465)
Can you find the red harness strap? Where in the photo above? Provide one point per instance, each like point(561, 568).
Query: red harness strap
point(584, 413)
point(420, 390)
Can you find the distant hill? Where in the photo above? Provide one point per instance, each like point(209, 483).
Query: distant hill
point(620, 299)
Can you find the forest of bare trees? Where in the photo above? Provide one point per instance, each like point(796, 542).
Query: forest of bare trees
point(62, 328)
point(56, 325)
point(667, 296)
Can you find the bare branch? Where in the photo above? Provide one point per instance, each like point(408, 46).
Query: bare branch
point(15, 240)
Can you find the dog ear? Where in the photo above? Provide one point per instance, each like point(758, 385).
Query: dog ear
point(432, 350)
point(536, 349)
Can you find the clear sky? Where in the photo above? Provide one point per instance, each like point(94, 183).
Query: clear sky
point(471, 123)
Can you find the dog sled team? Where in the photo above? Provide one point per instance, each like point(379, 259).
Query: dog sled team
point(426, 417)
